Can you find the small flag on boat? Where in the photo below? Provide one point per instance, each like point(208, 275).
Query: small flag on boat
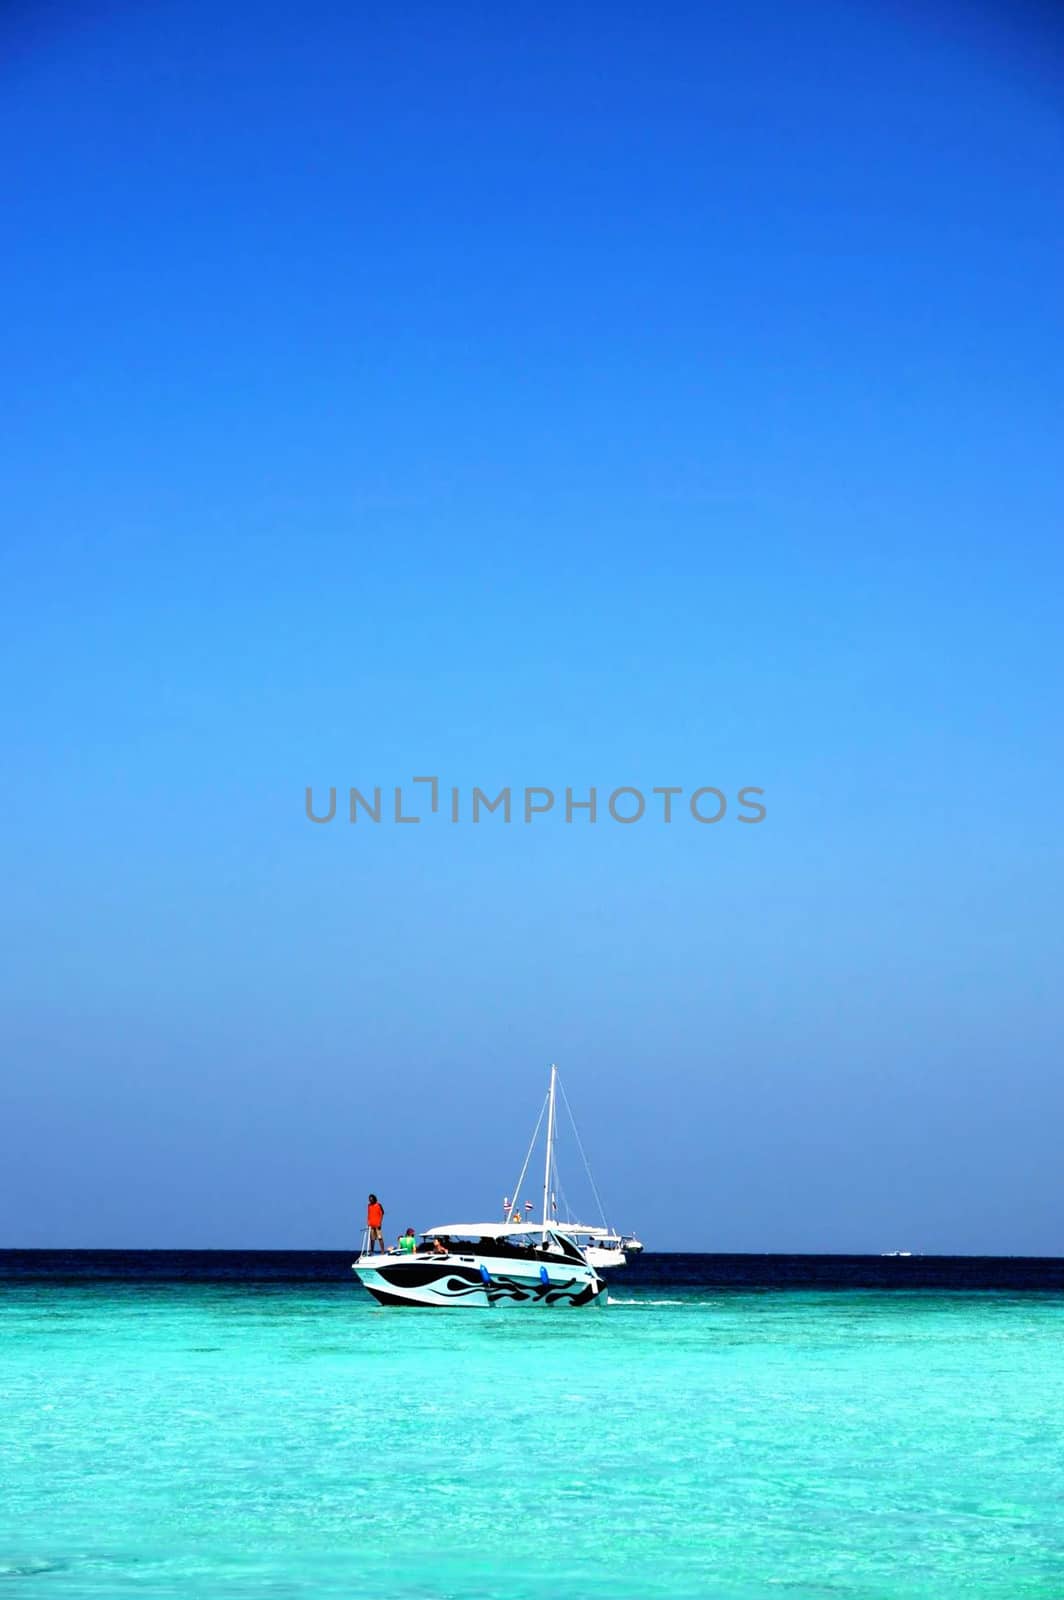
point(529, 1206)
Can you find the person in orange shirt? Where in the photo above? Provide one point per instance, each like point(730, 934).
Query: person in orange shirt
point(375, 1223)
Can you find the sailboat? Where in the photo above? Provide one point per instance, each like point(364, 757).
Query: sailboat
point(602, 1245)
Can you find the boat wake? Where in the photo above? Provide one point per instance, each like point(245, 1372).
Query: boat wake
point(615, 1300)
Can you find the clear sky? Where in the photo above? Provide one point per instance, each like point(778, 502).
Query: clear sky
point(606, 395)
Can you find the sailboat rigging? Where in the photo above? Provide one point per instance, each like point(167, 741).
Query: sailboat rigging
point(602, 1245)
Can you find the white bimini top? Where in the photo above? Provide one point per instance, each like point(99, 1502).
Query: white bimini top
point(491, 1230)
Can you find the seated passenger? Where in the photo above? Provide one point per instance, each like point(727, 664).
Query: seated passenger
point(408, 1242)
point(439, 1247)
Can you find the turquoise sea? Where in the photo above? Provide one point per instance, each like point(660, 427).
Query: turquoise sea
point(246, 1434)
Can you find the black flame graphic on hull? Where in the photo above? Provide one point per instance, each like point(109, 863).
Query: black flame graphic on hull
point(459, 1284)
point(549, 1294)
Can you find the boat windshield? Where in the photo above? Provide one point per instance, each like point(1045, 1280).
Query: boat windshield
point(523, 1242)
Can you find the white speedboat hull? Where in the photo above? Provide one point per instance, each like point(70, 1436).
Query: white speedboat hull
point(481, 1281)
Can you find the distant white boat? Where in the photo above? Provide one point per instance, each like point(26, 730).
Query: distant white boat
point(895, 1252)
point(601, 1246)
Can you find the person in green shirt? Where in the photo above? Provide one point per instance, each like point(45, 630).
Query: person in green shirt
point(408, 1241)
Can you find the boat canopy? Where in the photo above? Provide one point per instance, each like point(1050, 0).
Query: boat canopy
point(491, 1230)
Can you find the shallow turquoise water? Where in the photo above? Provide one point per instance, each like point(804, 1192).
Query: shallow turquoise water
point(216, 1440)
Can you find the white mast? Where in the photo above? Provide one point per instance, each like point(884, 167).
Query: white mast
point(550, 1148)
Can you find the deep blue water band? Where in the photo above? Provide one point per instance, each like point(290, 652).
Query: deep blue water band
point(653, 1270)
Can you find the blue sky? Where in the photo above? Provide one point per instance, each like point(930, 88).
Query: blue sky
point(629, 396)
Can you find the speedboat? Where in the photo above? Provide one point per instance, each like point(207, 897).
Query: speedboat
point(484, 1264)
